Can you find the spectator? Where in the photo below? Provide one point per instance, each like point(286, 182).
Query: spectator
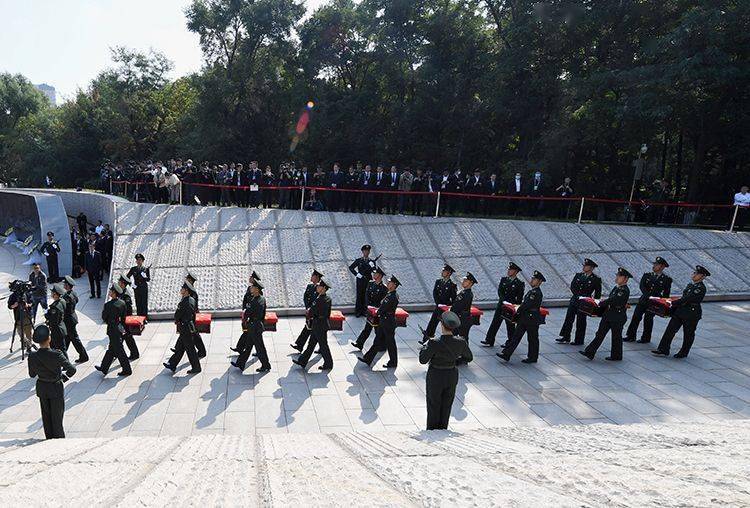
point(742, 200)
point(405, 182)
point(515, 189)
point(99, 228)
point(536, 190)
point(659, 194)
point(564, 190)
point(491, 188)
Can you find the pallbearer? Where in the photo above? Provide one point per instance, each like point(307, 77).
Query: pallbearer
point(184, 318)
point(124, 282)
point(308, 298)
point(252, 328)
point(376, 291)
point(528, 317)
point(510, 289)
point(385, 336)
point(141, 276)
point(584, 283)
point(613, 318)
point(55, 317)
point(113, 314)
point(320, 311)
point(462, 306)
point(200, 347)
point(362, 269)
point(71, 320)
point(443, 293)
point(654, 283)
point(242, 341)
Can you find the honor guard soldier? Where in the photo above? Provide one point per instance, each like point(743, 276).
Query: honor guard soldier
point(613, 319)
point(375, 293)
point(654, 283)
point(443, 293)
point(253, 316)
point(308, 298)
point(362, 269)
point(510, 289)
point(442, 375)
point(585, 283)
point(55, 317)
point(141, 276)
point(184, 318)
point(462, 305)
point(71, 320)
point(528, 318)
point(200, 347)
point(51, 368)
point(254, 277)
point(50, 248)
point(686, 312)
point(320, 312)
point(385, 336)
point(128, 339)
point(113, 314)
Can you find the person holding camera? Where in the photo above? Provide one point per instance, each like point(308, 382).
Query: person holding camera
point(38, 280)
point(19, 302)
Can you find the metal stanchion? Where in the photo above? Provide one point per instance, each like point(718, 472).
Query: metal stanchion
point(126, 190)
point(580, 212)
point(302, 201)
point(181, 202)
point(437, 205)
point(110, 186)
point(734, 218)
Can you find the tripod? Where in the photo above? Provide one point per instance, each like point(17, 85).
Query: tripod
point(21, 323)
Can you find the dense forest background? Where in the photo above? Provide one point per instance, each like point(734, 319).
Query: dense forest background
point(571, 88)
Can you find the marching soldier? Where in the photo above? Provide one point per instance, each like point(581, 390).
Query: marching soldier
point(443, 293)
point(51, 368)
point(528, 318)
point(443, 354)
point(320, 312)
point(113, 314)
point(184, 318)
point(362, 269)
point(124, 282)
point(376, 291)
point(510, 289)
point(308, 298)
point(656, 283)
point(200, 346)
point(253, 316)
point(686, 312)
point(385, 336)
point(71, 320)
point(141, 276)
point(55, 317)
point(584, 283)
point(462, 305)
point(241, 342)
point(613, 319)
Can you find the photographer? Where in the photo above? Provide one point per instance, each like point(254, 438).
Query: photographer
point(19, 302)
point(38, 281)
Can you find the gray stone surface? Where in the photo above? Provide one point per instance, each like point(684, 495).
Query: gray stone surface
point(541, 235)
point(509, 237)
point(638, 237)
point(479, 241)
point(606, 238)
point(574, 237)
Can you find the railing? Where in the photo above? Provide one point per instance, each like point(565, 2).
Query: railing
point(442, 203)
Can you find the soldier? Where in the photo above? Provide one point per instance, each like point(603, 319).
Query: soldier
point(124, 282)
point(184, 318)
point(510, 289)
point(686, 312)
point(50, 248)
point(443, 293)
point(47, 365)
point(442, 375)
point(308, 298)
point(242, 341)
point(585, 283)
point(113, 314)
point(71, 320)
point(462, 306)
point(656, 283)
point(362, 269)
point(376, 291)
point(528, 318)
point(613, 319)
point(320, 312)
point(55, 318)
point(141, 276)
point(253, 315)
point(385, 336)
point(200, 347)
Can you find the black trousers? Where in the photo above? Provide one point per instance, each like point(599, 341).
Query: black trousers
point(72, 338)
point(249, 340)
point(360, 308)
point(497, 320)
point(532, 331)
point(115, 350)
point(200, 346)
point(385, 340)
point(441, 390)
point(688, 335)
point(185, 345)
point(434, 320)
point(317, 338)
point(364, 335)
point(53, 273)
point(58, 342)
point(605, 326)
point(96, 285)
point(52, 416)
point(302, 338)
point(567, 327)
point(648, 323)
point(132, 346)
point(141, 301)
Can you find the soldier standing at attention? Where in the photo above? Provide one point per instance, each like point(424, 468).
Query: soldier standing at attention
point(124, 282)
point(71, 320)
point(320, 311)
point(686, 312)
point(528, 318)
point(113, 314)
point(585, 283)
point(654, 283)
point(141, 276)
point(55, 317)
point(184, 318)
point(385, 336)
point(614, 318)
point(47, 365)
point(253, 315)
point(443, 293)
point(200, 346)
point(308, 298)
point(510, 289)
point(442, 375)
point(50, 248)
point(462, 306)
point(362, 269)
point(375, 293)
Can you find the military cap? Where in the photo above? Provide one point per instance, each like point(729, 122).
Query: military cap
point(661, 261)
point(188, 286)
point(471, 277)
point(192, 278)
point(393, 279)
point(378, 270)
point(124, 277)
point(58, 288)
point(70, 280)
point(513, 266)
point(448, 268)
point(41, 333)
point(624, 272)
point(324, 284)
point(257, 284)
point(589, 262)
point(538, 275)
point(254, 275)
point(450, 320)
point(702, 270)
point(50, 233)
point(140, 256)
point(317, 274)
point(117, 289)
point(366, 246)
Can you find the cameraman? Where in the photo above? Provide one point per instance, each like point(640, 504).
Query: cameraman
point(38, 281)
point(18, 302)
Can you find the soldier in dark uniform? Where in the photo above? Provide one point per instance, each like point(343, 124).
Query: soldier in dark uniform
point(654, 283)
point(51, 368)
point(442, 375)
point(184, 318)
point(124, 282)
point(141, 276)
point(585, 283)
point(376, 291)
point(242, 341)
point(613, 319)
point(113, 314)
point(686, 312)
point(320, 311)
point(528, 318)
point(308, 298)
point(362, 269)
point(200, 346)
point(443, 293)
point(385, 335)
point(55, 318)
point(253, 316)
point(462, 305)
point(510, 289)
point(71, 320)
point(50, 248)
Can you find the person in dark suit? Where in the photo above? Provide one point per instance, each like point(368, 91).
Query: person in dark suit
point(475, 185)
point(366, 183)
point(385, 336)
point(613, 319)
point(113, 314)
point(528, 318)
point(510, 289)
point(362, 269)
point(71, 320)
point(536, 190)
point(584, 284)
point(654, 283)
point(350, 183)
point(379, 183)
point(443, 293)
point(516, 189)
point(335, 183)
point(311, 293)
point(141, 276)
point(109, 241)
point(93, 265)
point(184, 318)
point(319, 313)
point(491, 188)
point(392, 198)
point(51, 368)
point(49, 249)
point(253, 316)
point(374, 294)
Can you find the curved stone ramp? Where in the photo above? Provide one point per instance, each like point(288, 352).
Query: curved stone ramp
point(566, 466)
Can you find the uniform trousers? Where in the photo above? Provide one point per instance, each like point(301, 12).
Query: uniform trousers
point(434, 320)
point(141, 301)
point(532, 331)
point(648, 323)
point(497, 320)
point(385, 340)
point(53, 410)
point(115, 350)
point(72, 338)
point(317, 338)
point(605, 326)
point(441, 390)
point(302, 338)
point(132, 346)
point(688, 335)
point(567, 327)
point(249, 340)
point(185, 345)
point(58, 341)
point(360, 309)
point(364, 335)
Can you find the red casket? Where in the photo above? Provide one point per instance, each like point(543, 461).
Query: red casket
point(401, 317)
point(662, 307)
point(476, 314)
point(374, 320)
point(135, 324)
point(269, 323)
point(590, 306)
point(336, 320)
point(508, 312)
point(203, 323)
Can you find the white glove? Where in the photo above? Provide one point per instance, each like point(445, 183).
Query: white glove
point(359, 275)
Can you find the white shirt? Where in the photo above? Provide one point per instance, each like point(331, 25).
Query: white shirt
point(742, 200)
point(518, 184)
point(99, 229)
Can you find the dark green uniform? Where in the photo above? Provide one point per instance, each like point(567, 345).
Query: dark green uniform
point(686, 312)
point(528, 318)
point(510, 289)
point(253, 317)
point(374, 295)
point(71, 324)
point(462, 307)
point(47, 366)
point(385, 336)
point(362, 268)
point(113, 314)
point(184, 318)
point(308, 298)
point(613, 318)
point(127, 336)
point(200, 346)
point(443, 293)
point(141, 277)
point(55, 317)
point(651, 285)
point(581, 285)
point(320, 311)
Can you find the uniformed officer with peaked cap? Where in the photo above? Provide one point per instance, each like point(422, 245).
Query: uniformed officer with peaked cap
point(613, 318)
point(510, 289)
point(528, 318)
point(653, 283)
point(584, 283)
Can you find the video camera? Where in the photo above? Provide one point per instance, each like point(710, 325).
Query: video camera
point(20, 287)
